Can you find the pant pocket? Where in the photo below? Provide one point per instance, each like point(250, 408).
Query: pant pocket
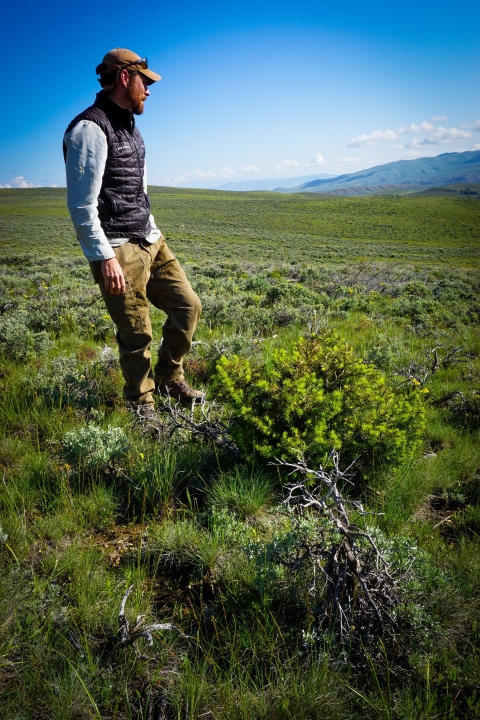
point(128, 311)
point(162, 258)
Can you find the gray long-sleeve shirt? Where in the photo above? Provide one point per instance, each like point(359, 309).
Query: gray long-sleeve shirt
point(87, 151)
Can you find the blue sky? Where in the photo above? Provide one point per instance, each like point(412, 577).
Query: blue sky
point(249, 90)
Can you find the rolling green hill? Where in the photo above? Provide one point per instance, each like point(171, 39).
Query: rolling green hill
point(402, 175)
point(457, 190)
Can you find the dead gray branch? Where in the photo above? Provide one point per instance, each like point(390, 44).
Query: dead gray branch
point(205, 424)
point(129, 637)
point(358, 586)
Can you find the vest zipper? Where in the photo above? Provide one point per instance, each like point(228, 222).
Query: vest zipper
point(140, 173)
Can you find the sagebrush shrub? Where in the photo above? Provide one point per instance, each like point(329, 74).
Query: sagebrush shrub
point(19, 342)
point(92, 447)
point(464, 410)
point(287, 576)
point(317, 397)
point(383, 353)
point(80, 384)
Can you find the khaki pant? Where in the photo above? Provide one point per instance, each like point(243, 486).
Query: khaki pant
point(151, 274)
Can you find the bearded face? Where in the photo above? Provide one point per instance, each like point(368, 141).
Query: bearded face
point(136, 94)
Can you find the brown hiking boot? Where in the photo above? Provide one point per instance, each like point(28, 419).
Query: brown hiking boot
point(145, 413)
point(181, 392)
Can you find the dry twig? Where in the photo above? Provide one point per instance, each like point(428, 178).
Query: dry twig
point(129, 637)
point(419, 374)
point(171, 417)
point(178, 417)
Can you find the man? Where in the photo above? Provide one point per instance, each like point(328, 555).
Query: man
point(129, 258)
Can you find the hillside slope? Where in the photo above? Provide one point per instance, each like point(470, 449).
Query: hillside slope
point(402, 175)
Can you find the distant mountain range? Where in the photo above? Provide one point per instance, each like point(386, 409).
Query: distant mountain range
point(252, 185)
point(401, 176)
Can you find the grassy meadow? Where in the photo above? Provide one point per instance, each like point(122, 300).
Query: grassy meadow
point(384, 292)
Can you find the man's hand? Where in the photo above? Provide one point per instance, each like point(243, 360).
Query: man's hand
point(113, 276)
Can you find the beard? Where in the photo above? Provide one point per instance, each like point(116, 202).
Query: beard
point(136, 97)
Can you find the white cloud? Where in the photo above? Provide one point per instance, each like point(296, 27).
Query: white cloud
point(188, 176)
point(19, 182)
point(440, 136)
point(350, 161)
point(476, 147)
point(425, 126)
point(350, 164)
point(248, 169)
point(199, 175)
point(203, 174)
point(438, 118)
point(22, 182)
point(286, 164)
point(412, 144)
point(373, 137)
point(411, 154)
point(317, 160)
point(443, 135)
point(430, 134)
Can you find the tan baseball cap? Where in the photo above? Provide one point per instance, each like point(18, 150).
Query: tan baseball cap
point(123, 59)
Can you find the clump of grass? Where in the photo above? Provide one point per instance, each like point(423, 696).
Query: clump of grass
point(246, 491)
point(154, 476)
point(158, 473)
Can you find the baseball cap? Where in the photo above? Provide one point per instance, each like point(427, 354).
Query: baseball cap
point(120, 59)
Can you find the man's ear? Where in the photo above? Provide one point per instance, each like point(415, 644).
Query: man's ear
point(124, 78)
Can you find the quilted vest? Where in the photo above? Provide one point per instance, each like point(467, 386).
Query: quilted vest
point(123, 205)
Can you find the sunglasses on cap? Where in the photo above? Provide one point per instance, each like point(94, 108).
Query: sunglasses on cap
point(141, 61)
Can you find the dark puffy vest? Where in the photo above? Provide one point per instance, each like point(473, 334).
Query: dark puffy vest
point(123, 205)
